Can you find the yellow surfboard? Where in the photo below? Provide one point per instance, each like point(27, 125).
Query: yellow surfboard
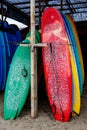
point(76, 102)
point(78, 44)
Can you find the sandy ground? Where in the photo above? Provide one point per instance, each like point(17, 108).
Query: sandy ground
point(45, 120)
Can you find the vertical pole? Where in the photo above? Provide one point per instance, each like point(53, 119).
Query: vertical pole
point(33, 64)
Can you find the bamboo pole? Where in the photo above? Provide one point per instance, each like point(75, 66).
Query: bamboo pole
point(34, 100)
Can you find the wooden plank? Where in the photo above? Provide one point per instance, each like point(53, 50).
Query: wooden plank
point(34, 45)
point(25, 44)
point(16, 13)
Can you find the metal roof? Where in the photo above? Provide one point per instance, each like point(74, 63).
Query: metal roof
point(20, 9)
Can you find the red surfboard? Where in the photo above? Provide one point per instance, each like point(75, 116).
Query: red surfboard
point(56, 63)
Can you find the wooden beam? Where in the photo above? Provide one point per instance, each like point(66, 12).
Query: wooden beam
point(15, 13)
point(79, 12)
point(70, 6)
point(21, 3)
point(36, 6)
point(76, 3)
point(25, 2)
point(26, 44)
point(61, 5)
point(34, 99)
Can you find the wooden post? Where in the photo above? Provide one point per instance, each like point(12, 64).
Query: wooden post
point(34, 102)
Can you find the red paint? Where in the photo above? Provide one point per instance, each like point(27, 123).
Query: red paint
point(56, 62)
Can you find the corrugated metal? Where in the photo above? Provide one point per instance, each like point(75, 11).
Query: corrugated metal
point(77, 8)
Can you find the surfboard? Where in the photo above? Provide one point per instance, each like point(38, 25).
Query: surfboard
point(56, 63)
point(77, 57)
point(1, 66)
point(3, 61)
point(12, 38)
point(8, 32)
point(78, 43)
point(7, 48)
point(76, 103)
point(17, 32)
point(18, 82)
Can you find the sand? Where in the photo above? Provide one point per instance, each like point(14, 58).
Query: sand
point(45, 120)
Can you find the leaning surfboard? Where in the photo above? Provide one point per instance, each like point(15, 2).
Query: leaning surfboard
point(76, 53)
point(76, 88)
point(56, 63)
point(10, 34)
point(7, 49)
point(78, 44)
point(2, 62)
point(1, 65)
point(12, 37)
point(18, 82)
point(2, 50)
point(17, 33)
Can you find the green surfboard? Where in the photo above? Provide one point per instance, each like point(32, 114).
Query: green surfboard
point(18, 82)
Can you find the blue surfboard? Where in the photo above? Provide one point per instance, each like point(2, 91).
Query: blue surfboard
point(17, 32)
point(11, 34)
point(12, 38)
point(2, 62)
point(7, 49)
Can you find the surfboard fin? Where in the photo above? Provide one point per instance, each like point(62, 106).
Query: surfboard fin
point(74, 114)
